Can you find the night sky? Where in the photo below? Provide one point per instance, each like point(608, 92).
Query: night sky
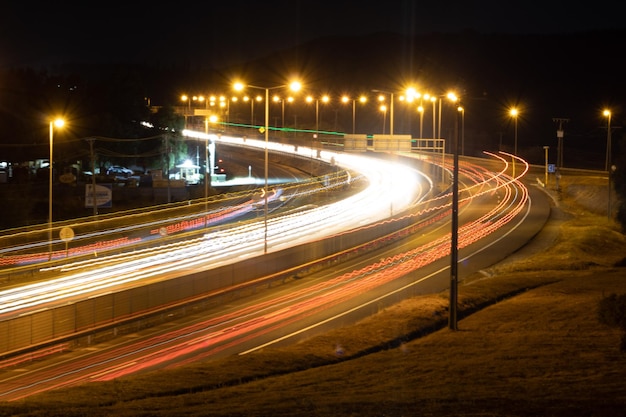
point(55, 32)
point(217, 35)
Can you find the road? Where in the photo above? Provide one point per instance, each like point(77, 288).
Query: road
point(495, 209)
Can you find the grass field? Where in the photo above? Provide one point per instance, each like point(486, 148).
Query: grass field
point(529, 343)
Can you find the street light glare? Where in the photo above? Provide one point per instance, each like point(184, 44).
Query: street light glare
point(59, 122)
point(514, 112)
point(606, 112)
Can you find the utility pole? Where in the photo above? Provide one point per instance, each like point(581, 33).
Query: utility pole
point(559, 158)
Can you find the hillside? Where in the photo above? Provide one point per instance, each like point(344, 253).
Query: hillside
point(529, 343)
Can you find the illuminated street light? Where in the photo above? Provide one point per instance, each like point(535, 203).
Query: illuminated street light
point(433, 99)
point(607, 113)
point(454, 250)
point(346, 99)
point(187, 99)
point(514, 113)
point(58, 123)
point(208, 171)
point(383, 109)
point(420, 110)
point(294, 86)
point(252, 100)
point(607, 166)
point(381, 98)
point(324, 99)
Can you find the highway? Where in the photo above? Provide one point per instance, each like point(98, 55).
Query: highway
point(81, 279)
point(494, 206)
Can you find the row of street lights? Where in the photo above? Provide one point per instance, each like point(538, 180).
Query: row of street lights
point(411, 96)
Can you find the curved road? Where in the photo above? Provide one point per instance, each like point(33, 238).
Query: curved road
point(494, 209)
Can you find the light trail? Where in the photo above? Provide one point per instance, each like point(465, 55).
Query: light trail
point(206, 338)
point(215, 248)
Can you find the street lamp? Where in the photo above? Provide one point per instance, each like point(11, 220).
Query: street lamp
point(208, 171)
point(514, 113)
point(187, 99)
point(383, 109)
point(53, 123)
point(420, 110)
point(381, 98)
point(433, 99)
point(294, 86)
point(277, 99)
point(252, 100)
point(324, 99)
point(607, 114)
point(454, 250)
point(346, 99)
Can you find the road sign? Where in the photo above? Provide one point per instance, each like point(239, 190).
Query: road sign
point(66, 234)
point(551, 168)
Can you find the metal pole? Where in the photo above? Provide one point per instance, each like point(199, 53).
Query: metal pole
point(391, 116)
point(267, 138)
point(439, 128)
point(434, 119)
point(454, 258)
point(207, 174)
point(421, 121)
point(515, 152)
point(317, 117)
point(608, 163)
point(50, 193)
point(463, 131)
point(353, 115)
point(384, 120)
point(608, 143)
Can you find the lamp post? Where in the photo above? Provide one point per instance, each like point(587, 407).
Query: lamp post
point(381, 98)
point(294, 86)
point(607, 114)
point(346, 99)
point(454, 249)
point(53, 123)
point(324, 99)
point(514, 113)
point(252, 100)
point(420, 110)
point(433, 100)
point(383, 109)
point(607, 166)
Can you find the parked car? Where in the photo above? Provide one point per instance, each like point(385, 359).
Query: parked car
point(119, 171)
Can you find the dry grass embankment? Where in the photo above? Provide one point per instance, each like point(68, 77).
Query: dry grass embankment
point(535, 347)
